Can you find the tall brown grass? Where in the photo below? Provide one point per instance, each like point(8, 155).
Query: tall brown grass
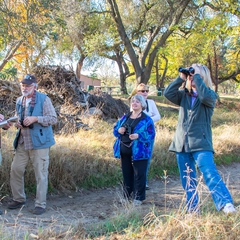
point(85, 160)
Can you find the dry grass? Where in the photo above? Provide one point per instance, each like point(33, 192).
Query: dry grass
point(85, 159)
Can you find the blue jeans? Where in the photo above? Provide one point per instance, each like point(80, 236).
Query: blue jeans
point(204, 160)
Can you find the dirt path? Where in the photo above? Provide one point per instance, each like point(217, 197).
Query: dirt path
point(64, 212)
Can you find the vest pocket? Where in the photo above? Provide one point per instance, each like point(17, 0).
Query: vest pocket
point(40, 137)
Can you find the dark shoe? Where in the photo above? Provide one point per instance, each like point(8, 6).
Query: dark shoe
point(14, 204)
point(147, 187)
point(38, 210)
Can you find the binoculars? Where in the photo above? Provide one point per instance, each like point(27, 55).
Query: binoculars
point(186, 71)
point(30, 126)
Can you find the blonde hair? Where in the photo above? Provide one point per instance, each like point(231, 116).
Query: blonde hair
point(205, 75)
point(140, 86)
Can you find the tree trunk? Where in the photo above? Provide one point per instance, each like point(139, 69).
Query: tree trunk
point(215, 68)
point(164, 72)
point(157, 74)
point(79, 66)
point(122, 66)
point(10, 54)
point(143, 60)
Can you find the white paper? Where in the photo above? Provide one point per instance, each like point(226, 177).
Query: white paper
point(5, 122)
point(13, 119)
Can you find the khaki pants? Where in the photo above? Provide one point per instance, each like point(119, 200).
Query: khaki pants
point(40, 160)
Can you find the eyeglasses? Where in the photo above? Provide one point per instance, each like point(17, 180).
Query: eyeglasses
point(143, 91)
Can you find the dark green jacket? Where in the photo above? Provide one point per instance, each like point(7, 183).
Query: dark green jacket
point(194, 123)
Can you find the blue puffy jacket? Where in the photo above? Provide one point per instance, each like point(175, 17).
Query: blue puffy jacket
point(143, 146)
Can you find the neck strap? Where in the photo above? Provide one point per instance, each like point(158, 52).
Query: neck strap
point(32, 103)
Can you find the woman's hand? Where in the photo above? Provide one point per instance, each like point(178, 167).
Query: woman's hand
point(121, 130)
point(133, 136)
point(183, 76)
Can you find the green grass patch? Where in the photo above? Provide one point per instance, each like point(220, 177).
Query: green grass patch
point(117, 224)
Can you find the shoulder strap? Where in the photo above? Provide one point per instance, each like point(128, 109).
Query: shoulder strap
point(147, 108)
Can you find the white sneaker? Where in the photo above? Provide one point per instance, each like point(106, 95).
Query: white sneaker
point(229, 208)
point(137, 202)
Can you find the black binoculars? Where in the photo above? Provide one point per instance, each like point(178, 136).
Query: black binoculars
point(186, 71)
point(128, 129)
point(30, 126)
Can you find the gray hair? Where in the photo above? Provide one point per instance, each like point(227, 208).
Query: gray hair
point(141, 99)
point(35, 85)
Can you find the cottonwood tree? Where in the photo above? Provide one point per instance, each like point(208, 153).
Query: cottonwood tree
point(128, 32)
point(152, 24)
point(92, 32)
point(25, 27)
point(213, 39)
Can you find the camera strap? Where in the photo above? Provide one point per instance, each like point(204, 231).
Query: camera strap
point(132, 122)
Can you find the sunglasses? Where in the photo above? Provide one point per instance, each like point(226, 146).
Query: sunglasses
point(143, 91)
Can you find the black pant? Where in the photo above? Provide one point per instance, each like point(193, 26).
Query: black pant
point(134, 175)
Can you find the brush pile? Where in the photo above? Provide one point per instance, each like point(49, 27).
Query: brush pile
point(69, 100)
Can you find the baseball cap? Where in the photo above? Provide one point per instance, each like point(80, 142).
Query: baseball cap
point(29, 79)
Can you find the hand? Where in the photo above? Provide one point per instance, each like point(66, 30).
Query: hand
point(122, 130)
point(183, 76)
point(1, 117)
point(6, 127)
point(133, 136)
point(18, 124)
point(30, 120)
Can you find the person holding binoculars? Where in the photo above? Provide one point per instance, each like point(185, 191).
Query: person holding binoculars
point(135, 135)
point(192, 142)
point(33, 141)
point(151, 110)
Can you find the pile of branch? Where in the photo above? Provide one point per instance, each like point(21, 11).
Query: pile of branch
point(69, 100)
point(9, 91)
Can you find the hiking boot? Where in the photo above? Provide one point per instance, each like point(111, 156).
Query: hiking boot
point(15, 204)
point(229, 208)
point(38, 210)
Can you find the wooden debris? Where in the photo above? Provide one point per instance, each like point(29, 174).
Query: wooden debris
point(69, 100)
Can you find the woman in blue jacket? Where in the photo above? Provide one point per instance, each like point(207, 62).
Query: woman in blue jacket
point(135, 134)
point(192, 141)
